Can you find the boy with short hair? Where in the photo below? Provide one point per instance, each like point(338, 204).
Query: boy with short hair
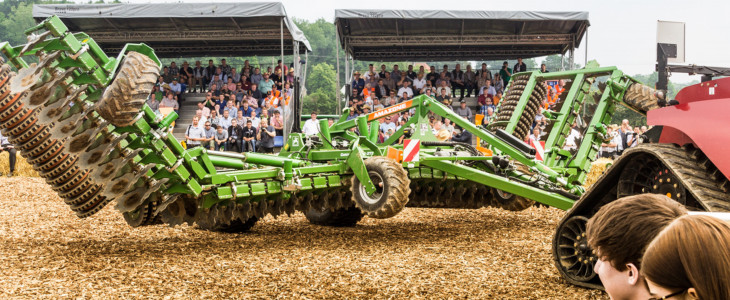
point(620, 232)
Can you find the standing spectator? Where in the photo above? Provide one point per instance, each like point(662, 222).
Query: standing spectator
point(265, 137)
point(358, 83)
point(484, 72)
point(225, 68)
point(167, 77)
point(625, 132)
point(311, 126)
point(464, 111)
point(470, 81)
point(505, 74)
point(395, 74)
point(433, 76)
point(609, 145)
point(278, 122)
point(571, 142)
point(199, 75)
point(221, 136)
point(186, 77)
point(389, 82)
point(249, 137)
point(195, 134)
point(371, 75)
point(457, 82)
point(235, 136)
point(519, 66)
point(277, 78)
point(6, 146)
point(543, 68)
point(209, 72)
point(410, 73)
point(382, 72)
point(209, 136)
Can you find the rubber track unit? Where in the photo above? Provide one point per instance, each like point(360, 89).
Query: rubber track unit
point(395, 188)
point(707, 187)
point(124, 98)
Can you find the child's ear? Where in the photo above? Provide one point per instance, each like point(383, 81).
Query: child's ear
point(633, 273)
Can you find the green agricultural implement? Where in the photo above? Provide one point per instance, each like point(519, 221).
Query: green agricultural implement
point(80, 118)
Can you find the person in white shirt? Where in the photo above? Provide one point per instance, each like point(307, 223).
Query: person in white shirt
point(388, 124)
point(419, 82)
point(571, 142)
point(311, 126)
point(406, 89)
point(255, 121)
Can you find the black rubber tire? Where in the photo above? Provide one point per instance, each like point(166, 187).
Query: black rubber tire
point(511, 202)
point(142, 216)
point(343, 217)
point(124, 98)
point(236, 226)
point(391, 197)
point(641, 97)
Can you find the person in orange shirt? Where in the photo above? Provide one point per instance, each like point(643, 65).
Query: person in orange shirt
point(271, 100)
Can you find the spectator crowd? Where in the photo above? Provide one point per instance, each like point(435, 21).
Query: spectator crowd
point(242, 110)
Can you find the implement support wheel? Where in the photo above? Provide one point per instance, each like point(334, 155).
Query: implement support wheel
point(124, 98)
point(511, 202)
point(392, 188)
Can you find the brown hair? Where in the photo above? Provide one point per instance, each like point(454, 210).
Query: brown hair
point(692, 252)
point(622, 229)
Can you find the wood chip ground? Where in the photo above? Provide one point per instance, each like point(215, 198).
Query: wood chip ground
point(46, 252)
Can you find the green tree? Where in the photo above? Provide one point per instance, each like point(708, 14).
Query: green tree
point(322, 89)
point(15, 22)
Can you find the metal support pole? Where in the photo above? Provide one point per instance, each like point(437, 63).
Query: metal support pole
point(281, 78)
point(562, 62)
point(337, 80)
point(585, 63)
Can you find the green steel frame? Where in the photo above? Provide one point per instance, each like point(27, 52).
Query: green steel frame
point(338, 152)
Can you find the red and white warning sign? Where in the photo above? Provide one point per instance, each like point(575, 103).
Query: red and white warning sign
point(411, 148)
point(540, 147)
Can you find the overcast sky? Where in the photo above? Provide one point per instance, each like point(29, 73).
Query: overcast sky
point(622, 32)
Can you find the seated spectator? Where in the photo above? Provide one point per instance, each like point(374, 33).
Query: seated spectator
point(464, 111)
point(441, 133)
point(153, 103)
point(443, 85)
point(406, 89)
point(245, 109)
point(214, 119)
point(231, 108)
point(235, 136)
point(444, 98)
point(208, 143)
point(257, 94)
point(166, 75)
point(226, 120)
point(381, 90)
point(176, 87)
point(221, 137)
point(689, 259)
point(388, 81)
point(235, 77)
point(428, 92)
point(278, 123)
point(418, 84)
point(365, 109)
point(12, 156)
point(619, 232)
point(266, 85)
point(376, 105)
point(256, 77)
point(195, 134)
point(489, 115)
point(387, 124)
point(351, 114)
point(170, 102)
point(217, 82)
point(448, 126)
point(464, 136)
point(488, 90)
point(498, 84)
point(432, 76)
point(265, 136)
point(254, 120)
point(403, 79)
point(201, 119)
point(249, 137)
point(536, 135)
point(225, 69)
point(240, 119)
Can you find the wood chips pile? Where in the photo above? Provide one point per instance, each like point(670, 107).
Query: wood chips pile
point(45, 251)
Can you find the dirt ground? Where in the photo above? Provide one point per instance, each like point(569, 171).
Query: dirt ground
point(45, 251)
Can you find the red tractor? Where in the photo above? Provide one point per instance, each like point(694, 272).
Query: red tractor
point(684, 159)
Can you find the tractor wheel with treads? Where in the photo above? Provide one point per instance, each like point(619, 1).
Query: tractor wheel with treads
point(511, 202)
point(123, 99)
point(392, 188)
